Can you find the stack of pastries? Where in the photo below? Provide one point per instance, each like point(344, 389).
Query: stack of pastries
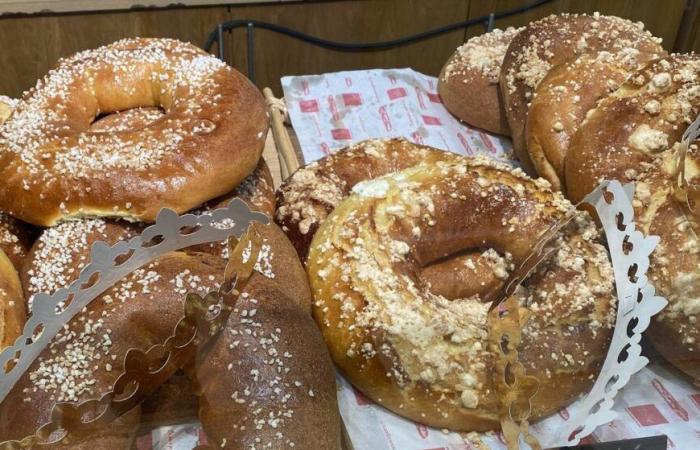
point(592, 97)
point(93, 152)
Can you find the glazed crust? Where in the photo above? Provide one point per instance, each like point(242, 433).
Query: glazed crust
point(468, 82)
point(53, 167)
point(635, 124)
point(257, 389)
point(310, 194)
point(563, 98)
point(424, 356)
point(549, 42)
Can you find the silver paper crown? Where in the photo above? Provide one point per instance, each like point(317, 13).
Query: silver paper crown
point(637, 303)
point(109, 264)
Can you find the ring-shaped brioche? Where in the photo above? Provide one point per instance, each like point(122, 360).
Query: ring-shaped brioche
point(53, 167)
point(424, 356)
point(12, 305)
point(468, 82)
point(84, 359)
point(662, 209)
point(562, 99)
point(550, 41)
point(635, 124)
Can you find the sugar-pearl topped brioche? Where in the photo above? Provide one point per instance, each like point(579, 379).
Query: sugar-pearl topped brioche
point(634, 125)
point(426, 356)
point(468, 82)
point(550, 41)
point(53, 166)
point(562, 99)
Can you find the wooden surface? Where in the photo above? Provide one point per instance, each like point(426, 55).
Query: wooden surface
point(34, 6)
point(32, 44)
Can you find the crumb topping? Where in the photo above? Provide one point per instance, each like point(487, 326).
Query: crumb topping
point(482, 55)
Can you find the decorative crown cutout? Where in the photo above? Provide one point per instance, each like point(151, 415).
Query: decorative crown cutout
point(109, 264)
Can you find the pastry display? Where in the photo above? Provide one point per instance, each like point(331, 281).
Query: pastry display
point(118, 133)
point(551, 41)
point(53, 167)
point(426, 356)
point(468, 83)
point(386, 263)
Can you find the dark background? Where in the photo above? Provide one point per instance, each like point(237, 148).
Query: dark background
point(30, 45)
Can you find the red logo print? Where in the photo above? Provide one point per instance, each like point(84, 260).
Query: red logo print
point(395, 93)
point(646, 415)
point(465, 143)
point(305, 87)
point(487, 142)
point(431, 120)
point(422, 430)
point(333, 107)
point(421, 99)
point(385, 118)
point(417, 137)
point(308, 106)
point(340, 134)
point(360, 398)
point(564, 413)
point(433, 97)
point(670, 399)
point(352, 99)
point(696, 399)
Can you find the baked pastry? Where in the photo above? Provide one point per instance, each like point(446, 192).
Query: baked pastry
point(551, 41)
point(268, 381)
point(84, 359)
point(635, 124)
point(664, 210)
point(53, 167)
point(12, 305)
point(310, 194)
point(562, 99)
point(468, 82)
point(425, 356)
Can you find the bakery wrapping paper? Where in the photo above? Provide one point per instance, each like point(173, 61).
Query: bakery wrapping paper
point(333, 110)
point(330, 111)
